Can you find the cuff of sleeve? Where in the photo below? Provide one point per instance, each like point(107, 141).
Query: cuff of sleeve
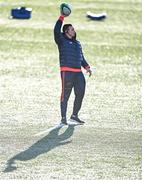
point(61, 18)
point(87, 67)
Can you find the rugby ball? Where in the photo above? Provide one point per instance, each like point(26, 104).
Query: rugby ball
point(65, 9)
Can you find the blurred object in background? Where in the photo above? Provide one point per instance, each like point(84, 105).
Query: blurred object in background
point(21, 13)
point(97, 17)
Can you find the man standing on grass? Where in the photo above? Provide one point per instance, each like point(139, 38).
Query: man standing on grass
point(71, 61)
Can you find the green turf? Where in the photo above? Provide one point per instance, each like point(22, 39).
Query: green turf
point(109, 145)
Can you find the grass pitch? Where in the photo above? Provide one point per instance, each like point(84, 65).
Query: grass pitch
point(109, 145)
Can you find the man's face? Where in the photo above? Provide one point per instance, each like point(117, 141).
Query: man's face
point(70, 32)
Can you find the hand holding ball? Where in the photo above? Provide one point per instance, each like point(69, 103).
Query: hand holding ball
point(65, 9)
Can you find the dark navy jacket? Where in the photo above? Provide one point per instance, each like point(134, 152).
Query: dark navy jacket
point(70, 51)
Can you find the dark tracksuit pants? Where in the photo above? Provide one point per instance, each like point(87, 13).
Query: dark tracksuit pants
point(71, 80)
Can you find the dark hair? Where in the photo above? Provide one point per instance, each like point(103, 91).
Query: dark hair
point(65, 27)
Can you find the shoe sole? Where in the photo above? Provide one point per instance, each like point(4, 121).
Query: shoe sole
point(64, 124)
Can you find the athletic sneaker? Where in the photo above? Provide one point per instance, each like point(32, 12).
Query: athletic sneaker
point(76, 119)
point(64, 121)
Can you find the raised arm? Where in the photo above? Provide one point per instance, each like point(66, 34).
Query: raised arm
point(57, 30)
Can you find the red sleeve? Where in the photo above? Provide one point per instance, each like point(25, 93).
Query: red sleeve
point(61, 18)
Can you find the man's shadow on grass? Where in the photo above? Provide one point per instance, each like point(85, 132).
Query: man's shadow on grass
point(44, 145)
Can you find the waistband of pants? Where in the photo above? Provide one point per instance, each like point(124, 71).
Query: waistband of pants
point(70, 69)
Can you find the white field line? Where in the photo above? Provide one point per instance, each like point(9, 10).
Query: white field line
point(84, 43)
point(88, 126)
point(55, 127)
